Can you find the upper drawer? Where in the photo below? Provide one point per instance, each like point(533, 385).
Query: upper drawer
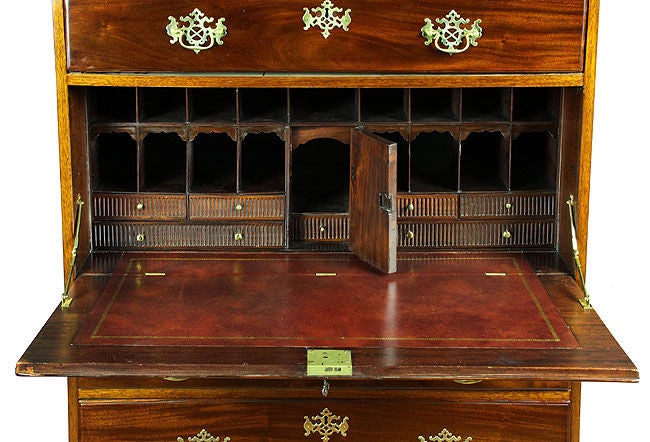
point(269, 36)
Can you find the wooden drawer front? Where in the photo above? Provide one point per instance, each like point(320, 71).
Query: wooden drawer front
point(210, 207)
point(427, 206)
point(507, 205)
point(170, 236)
point(145, 207)
point(477, 234)
point(269, 36)
point(379, 420)
point(314, 227)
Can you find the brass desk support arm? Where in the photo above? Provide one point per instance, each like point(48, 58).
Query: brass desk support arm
point(65, 297)
point(585, 302)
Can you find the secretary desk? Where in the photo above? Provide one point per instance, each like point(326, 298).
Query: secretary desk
point(348, 220)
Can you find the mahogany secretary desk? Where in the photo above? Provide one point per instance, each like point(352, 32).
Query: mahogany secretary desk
point(396, 183)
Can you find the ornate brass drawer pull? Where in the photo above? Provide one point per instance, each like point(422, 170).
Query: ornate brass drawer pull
point(195, 34)
point(326, 424)
point(444, 436)
point(203, 436)
point(326, 18)
point(451, 38)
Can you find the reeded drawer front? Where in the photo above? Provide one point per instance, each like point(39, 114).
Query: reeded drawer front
point(138, 206)
point(270, 36)
point(507, 205)
point(477, 234)
point(427, 206)
point(169, 236)
point(310, 420)
point(211, 207)
point(316, 227)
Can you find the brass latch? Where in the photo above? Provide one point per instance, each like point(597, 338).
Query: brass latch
point(326, 362)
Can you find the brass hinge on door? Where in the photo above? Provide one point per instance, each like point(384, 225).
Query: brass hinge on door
point(385, 202)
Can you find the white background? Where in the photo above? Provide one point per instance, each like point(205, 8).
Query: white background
point(30, 238)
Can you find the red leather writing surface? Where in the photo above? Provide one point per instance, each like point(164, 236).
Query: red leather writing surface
point(295, 300)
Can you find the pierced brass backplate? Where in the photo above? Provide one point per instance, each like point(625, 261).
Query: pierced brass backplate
point(203, 436)
point(326, 362)
point(444, 436)
point(452, 37)
point(196, 35)
point(326, 18)
point(326, 424)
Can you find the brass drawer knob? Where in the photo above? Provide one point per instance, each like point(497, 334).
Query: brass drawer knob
point(322, 229)
point(239, 207)
point(139, 237)
point(508, 206)
point(507, 234)
point(140, 205)
point(195, 34)
point(238, 236)
point(451, 38)
point(326, 17)
point(410, 234)
point(410, 207)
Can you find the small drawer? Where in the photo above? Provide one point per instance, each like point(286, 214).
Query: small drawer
point(126, 206)
point(287, 36)
point(427, 206)
point(316, 227)
point(508, 205)
point(215, 207)
point(186, 236)
point(507, 234)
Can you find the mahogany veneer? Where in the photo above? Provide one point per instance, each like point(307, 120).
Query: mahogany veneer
point(363, 192)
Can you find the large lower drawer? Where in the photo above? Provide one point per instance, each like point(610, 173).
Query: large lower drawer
point(393, 414)
point(132, 236)
point(270, 36)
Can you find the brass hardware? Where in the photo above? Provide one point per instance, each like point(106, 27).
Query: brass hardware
point(410, 235)
point(410, 207)
point(66, 300)
point(324, 274)
point(585, 302)
point(195, 35)
point(326, 424)
point(326, 362)
point(139, 237)
point(238, 236)
point(449, 38)
point(174, 379)
point(468, 381)
point(239, 207)
point(507, 234)
point(322, 229)
point(386, 202)
point(508, 206)
point(326, 18)
point(326, 388)
point(154, 273)
point(203, 436)
point(444, 436)
point(495, 273)
point(139, 206)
